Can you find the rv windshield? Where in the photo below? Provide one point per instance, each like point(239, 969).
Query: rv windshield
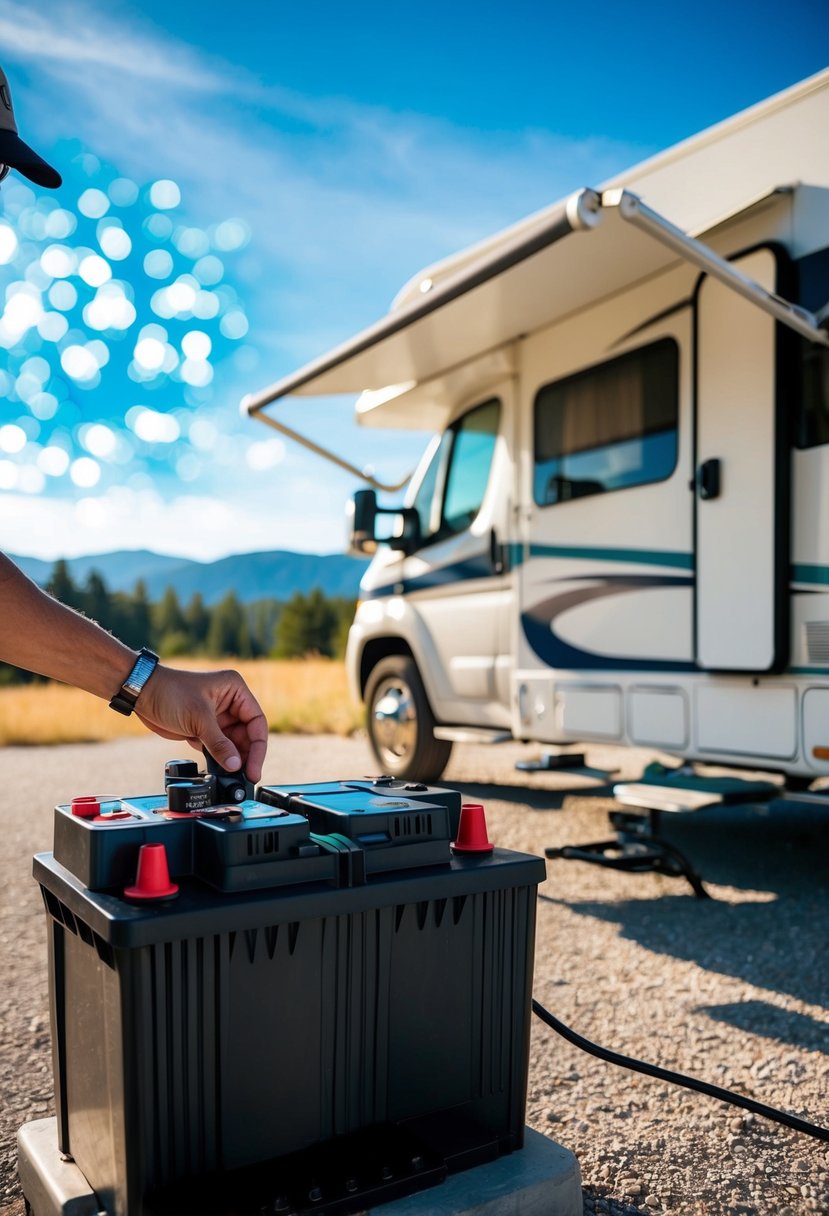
point(452, 488)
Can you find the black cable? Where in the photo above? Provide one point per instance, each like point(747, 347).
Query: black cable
point(678, 1078)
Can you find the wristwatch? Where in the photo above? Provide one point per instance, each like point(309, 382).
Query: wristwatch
point(126, 696)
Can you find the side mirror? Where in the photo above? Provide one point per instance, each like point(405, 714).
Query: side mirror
point(407, 537)
point(361, 514)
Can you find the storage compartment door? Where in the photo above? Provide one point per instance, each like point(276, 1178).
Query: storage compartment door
point(741, 492)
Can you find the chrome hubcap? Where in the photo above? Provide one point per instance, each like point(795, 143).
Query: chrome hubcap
point(395, 720)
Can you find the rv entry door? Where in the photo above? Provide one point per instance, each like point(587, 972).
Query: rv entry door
point(741, 480)
point(458, 582)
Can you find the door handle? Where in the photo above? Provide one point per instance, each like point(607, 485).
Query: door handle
point(709, 480)
point(497, 554)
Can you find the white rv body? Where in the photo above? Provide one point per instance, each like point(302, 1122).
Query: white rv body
point(623, 514)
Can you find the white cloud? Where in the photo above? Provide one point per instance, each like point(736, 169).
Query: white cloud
point(204, 528)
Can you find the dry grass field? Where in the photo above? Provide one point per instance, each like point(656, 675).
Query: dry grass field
point(301, 696)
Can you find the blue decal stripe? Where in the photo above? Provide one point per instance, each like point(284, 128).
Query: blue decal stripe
point(642, 557)
point(810, 574)
point(478, 567)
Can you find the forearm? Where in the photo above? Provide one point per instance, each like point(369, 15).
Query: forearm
point(42, 635)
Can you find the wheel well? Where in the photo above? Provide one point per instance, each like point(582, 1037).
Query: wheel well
point(377, 649)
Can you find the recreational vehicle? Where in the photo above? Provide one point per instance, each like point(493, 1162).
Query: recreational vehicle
point(620, 529)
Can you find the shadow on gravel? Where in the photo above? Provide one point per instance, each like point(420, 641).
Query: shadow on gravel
point(606, 1205)
point(539, 799)
point(771, 1022)
point(777, 945)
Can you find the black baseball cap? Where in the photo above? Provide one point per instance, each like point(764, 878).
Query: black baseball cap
point(17, 154)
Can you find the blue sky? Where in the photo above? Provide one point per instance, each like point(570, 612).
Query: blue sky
point(241, 194)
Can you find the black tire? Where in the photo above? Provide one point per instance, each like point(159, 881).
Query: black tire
point(401, 735)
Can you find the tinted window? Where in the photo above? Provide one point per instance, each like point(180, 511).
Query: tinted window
point(813, 416)
point(609, 427)
point(812, 420)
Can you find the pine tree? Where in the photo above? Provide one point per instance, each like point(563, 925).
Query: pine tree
point(96, 600)
point(307, 626)
point(62, 586)
point(228, 633)
point(197, 621)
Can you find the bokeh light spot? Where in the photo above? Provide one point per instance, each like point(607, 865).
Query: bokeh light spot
point(110, 309)
point(165, 194)
point(234, 325)
point(95, 270)
point(8, 243)
point(53, 461)
point(93, 204)
point(85, 472)
point(149, 354)
point(99, 440)
point(79, 363)
point(63, 295)
point(196, 344)
point(205, 305)
point(60, 224)
point(158, 264)
point(153, 426)
point(231, 234)
point(123, 192)
point(158, 226)
point(196, 372)
point(44, 406)
point(115, 243)
point(52, 326)
point(209, 270)
point(191, 242)
point(59, 261)
point(12, 438)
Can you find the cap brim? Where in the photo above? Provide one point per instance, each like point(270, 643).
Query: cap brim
point(18, 155)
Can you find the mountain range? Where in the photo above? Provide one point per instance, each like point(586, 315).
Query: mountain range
point(252, 576)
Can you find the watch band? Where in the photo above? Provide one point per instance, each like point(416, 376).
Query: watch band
point(124, 700)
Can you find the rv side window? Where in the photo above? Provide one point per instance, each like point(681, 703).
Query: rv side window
point(610, 427)
point(453, 486)
point(813, 419)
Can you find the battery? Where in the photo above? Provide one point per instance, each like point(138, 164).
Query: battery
point(310, 1044)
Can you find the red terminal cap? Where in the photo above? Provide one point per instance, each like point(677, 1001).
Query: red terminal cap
point(472, 833)
point(153, 878)
point(86, 807)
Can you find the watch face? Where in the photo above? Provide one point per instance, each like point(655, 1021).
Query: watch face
point(139, 675)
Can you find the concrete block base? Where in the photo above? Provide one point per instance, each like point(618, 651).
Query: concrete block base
point(543, 1179)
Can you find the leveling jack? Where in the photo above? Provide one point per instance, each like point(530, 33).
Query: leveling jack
point(638, 848)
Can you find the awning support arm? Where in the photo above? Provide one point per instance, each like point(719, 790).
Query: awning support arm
point(632, 209)
point(318, 450)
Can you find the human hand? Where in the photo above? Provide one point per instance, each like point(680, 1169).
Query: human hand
point(211, 709)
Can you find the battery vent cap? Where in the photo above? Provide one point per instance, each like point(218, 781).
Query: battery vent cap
point(472, 833)
point(153, 878)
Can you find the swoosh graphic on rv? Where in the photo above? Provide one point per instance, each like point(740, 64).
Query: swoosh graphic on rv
point(479, 566)
point(555, 652)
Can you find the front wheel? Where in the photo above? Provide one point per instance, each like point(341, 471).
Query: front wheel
point(401, 724)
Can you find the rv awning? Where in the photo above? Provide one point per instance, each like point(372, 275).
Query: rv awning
point(589, 248)
point(492, 299)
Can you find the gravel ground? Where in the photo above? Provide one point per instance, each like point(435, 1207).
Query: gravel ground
point(735, 990)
